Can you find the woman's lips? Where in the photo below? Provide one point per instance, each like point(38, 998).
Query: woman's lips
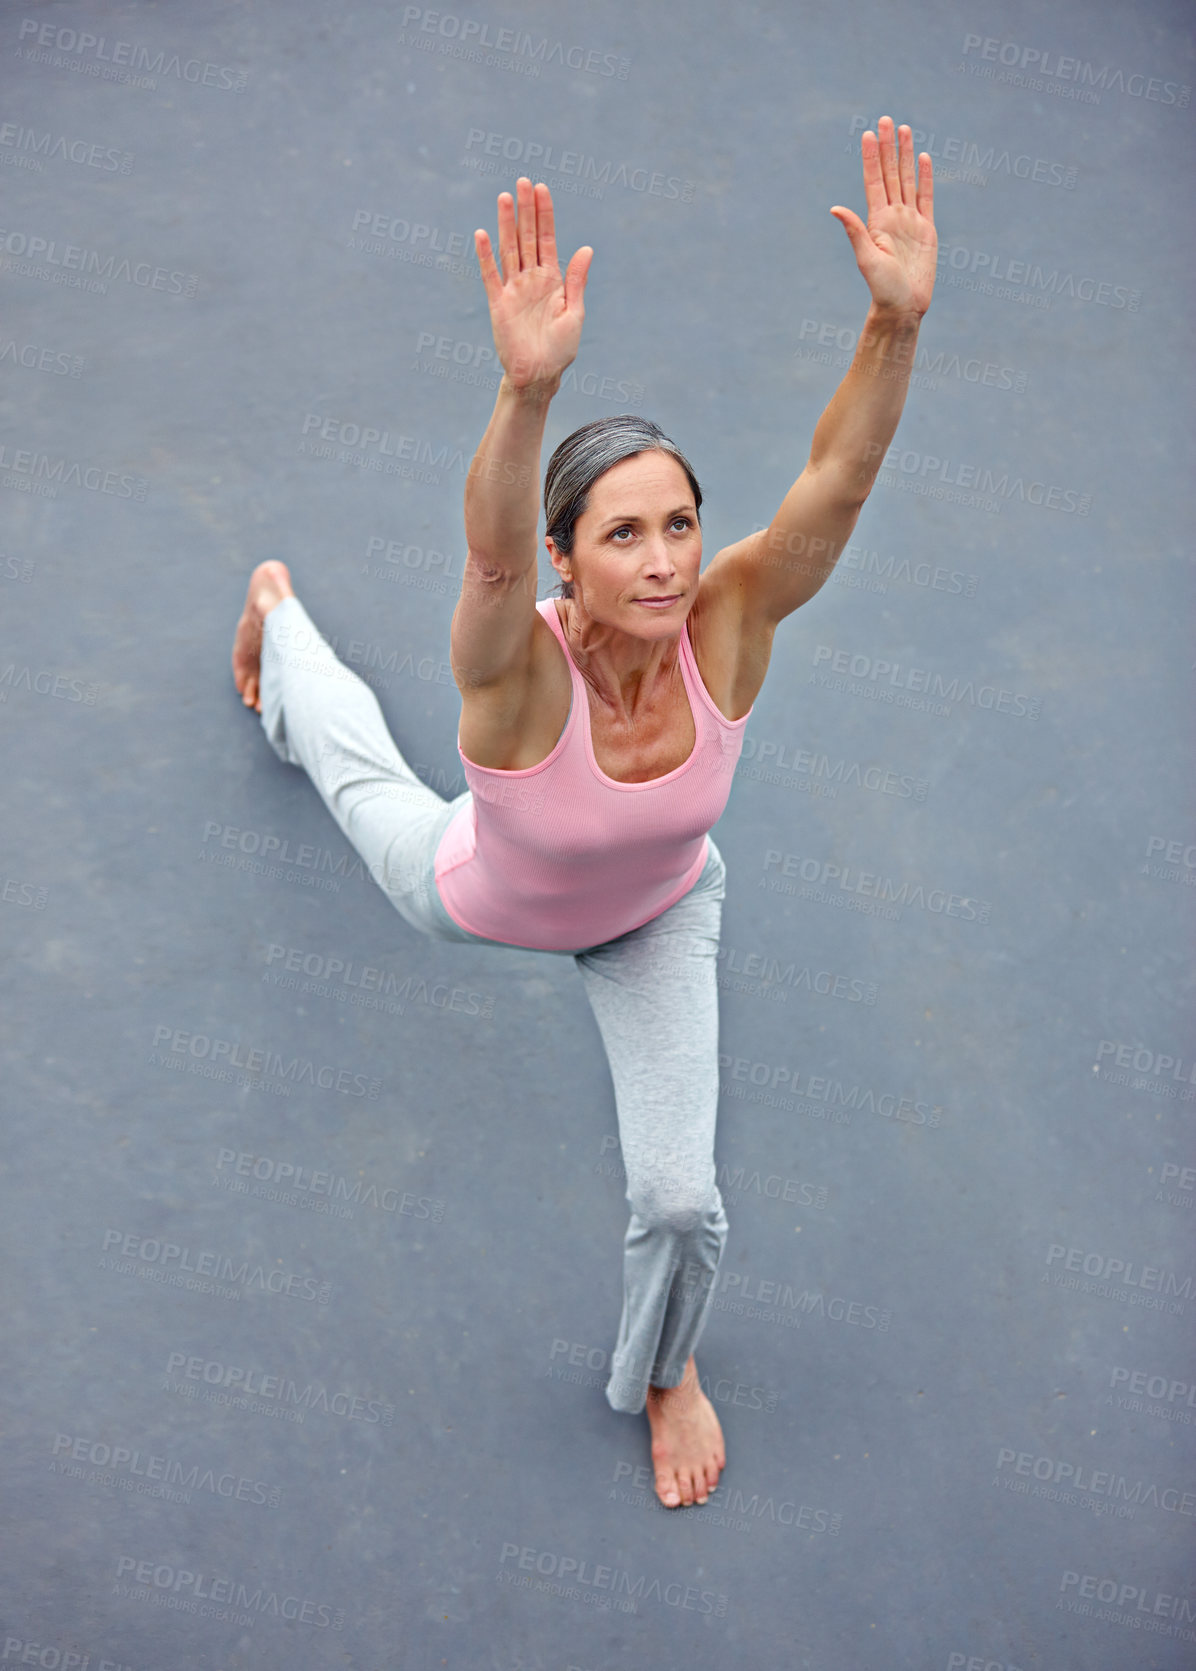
point(658, 603)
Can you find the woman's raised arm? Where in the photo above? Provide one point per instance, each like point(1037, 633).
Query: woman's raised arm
point(775, 571)
point(536, 317)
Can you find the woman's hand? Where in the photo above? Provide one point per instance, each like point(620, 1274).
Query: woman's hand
point(897, 249)
point(535, 315)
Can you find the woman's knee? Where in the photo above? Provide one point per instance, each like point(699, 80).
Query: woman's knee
point(675, 1205)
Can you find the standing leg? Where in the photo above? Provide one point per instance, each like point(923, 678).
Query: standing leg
point(655, 999)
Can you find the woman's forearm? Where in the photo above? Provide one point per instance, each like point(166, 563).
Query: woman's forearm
point(502, 490)
point(854, 433)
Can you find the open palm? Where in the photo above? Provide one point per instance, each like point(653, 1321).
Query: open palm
point(536, 315)
point(897, 250)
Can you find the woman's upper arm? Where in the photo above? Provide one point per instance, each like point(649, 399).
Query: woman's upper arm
point(493, 625)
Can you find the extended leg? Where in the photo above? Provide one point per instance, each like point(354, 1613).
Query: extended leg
point(318, 714)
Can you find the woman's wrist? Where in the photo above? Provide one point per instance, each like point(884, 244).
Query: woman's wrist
point(530, 391)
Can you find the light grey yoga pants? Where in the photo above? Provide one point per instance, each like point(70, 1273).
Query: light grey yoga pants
point(652, 991)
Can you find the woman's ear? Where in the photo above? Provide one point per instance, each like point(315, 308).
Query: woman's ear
point(557, 558)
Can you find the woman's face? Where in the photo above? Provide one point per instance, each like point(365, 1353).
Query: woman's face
point(637, 549)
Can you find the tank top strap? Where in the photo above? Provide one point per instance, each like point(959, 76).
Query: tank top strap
point(547, 608)
point(695, 684)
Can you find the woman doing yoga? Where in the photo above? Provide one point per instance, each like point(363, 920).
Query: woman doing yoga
point(599, 733)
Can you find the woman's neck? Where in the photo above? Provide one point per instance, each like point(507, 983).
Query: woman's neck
point(624, 671)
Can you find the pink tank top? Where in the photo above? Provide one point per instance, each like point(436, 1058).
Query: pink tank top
point(559, 856)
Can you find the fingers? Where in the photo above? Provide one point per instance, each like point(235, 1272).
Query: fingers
point(487, 264)
point(545, 228)
point(851, 224)
point(875, 194)
point(905, 163)
point(508, 248)
point(891, 175)
point(575, 279)
point(926, 187)
point(527, 222)
point(526, 234)
point(888, 159)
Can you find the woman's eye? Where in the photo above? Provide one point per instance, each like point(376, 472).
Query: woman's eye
point(626, 529)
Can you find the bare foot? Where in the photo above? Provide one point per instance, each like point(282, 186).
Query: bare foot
point(269, 583)
point(687, 1441)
